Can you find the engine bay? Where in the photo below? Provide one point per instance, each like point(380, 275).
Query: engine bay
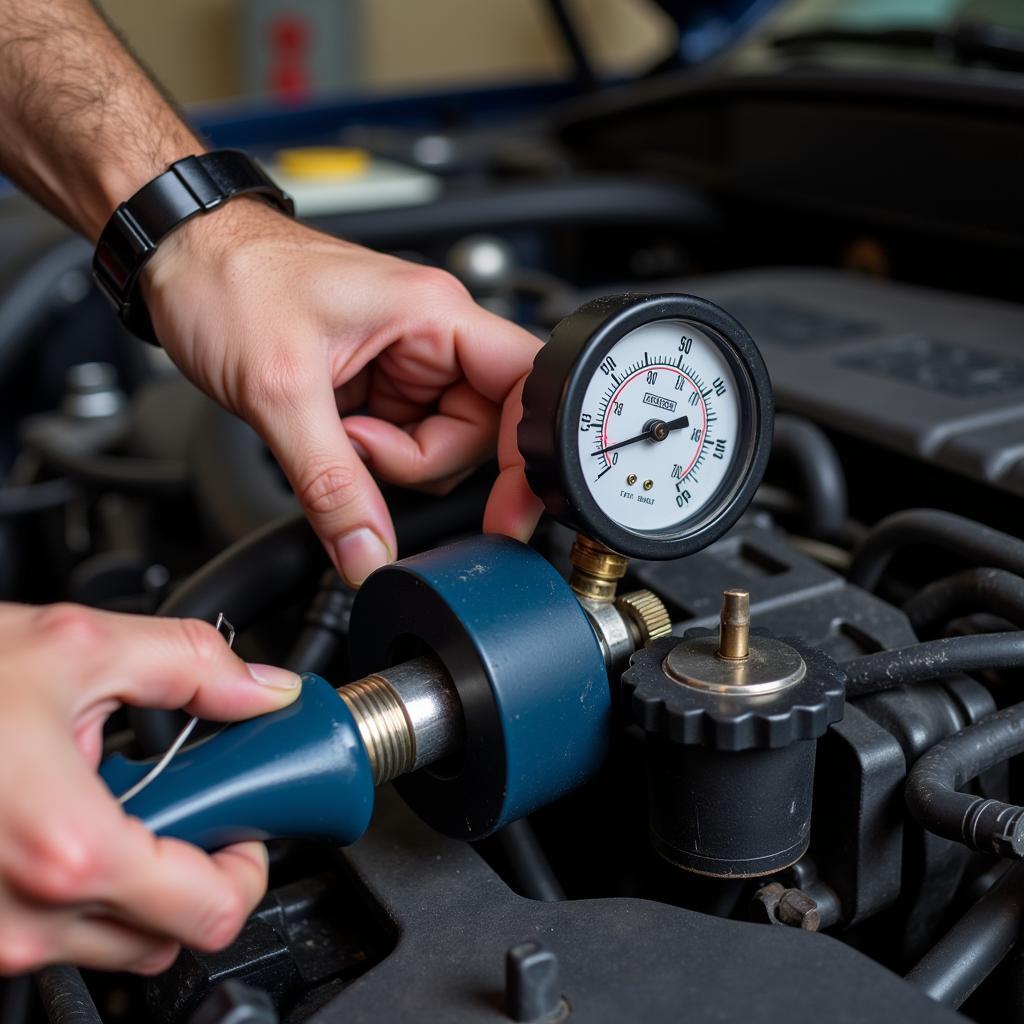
point(602, 825)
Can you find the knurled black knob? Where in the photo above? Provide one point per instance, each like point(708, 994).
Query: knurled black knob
point(731, 718)
point(684, 690)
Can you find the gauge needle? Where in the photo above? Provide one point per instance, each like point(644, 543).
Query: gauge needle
point(655, 430)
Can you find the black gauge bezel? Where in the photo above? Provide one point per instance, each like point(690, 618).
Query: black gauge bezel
point(553, 400)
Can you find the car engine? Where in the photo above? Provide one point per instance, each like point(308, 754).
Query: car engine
point(752, 752)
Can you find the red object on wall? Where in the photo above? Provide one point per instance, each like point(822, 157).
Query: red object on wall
point(288, 74)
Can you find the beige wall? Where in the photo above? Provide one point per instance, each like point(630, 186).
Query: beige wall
point(190, 44)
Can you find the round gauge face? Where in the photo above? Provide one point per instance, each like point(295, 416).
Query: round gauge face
point(647, 423)
point(659, 426)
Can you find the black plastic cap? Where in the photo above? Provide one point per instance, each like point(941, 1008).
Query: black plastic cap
point(694, 717)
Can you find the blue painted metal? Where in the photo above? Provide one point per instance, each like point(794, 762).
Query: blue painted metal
point(302, 772)
point(252, 123)
point(527, 666)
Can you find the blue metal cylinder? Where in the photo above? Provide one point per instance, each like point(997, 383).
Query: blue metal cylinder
point(300, 773)
point(526, 664)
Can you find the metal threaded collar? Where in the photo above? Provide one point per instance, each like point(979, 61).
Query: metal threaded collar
point(384, 726)
point(645, 610)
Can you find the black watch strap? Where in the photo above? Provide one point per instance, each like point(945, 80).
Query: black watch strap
point(196, 184)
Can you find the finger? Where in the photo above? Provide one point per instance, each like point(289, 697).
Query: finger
point(32, 935)
point(494, 353)
point(170, 888)
point(340, 498)
point(87, 852)
point(105, 945)
point(512, 508)
point(461, 435)
point(401, 398)
point(156, 662)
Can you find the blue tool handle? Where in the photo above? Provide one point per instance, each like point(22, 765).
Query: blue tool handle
point(300, 773)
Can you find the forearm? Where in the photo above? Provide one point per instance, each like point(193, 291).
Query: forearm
point(81, 125)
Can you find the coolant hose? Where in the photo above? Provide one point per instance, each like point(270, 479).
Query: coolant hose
point(933, 659)
point(968, 953)
point(929, 527)
point(993, 591)
point(932, 791)
point(805, 448)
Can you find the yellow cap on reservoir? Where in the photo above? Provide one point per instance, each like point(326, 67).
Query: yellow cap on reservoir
point(323, 161)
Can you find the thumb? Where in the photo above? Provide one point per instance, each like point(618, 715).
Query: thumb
point(159, 663)
point(512, 508)
point(337, 492)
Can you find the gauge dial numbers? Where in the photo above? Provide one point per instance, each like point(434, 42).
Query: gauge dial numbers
point(658, 426)
point(647, 423)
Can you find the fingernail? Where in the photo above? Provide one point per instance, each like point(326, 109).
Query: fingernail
point(359, 553)
point(271, 675)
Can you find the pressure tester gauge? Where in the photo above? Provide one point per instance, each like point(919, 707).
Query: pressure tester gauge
point(647, 423)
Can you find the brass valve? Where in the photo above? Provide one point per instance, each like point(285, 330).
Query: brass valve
point(596, 570)
point(734, 626)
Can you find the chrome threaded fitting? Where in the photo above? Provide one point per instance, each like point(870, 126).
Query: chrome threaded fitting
point(384, 727)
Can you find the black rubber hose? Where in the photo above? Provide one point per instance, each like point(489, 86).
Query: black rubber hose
point(33, 498)
point(326, 625)
point(993, 591)
point(132, 475)
point(576, 201)
point(932, 791)
point(805, 448)
point(965, 538)
point(252, 576)
point(972, 949)
point(528, 863)
point(65, 997)
point(35, 293)
point(933, 659)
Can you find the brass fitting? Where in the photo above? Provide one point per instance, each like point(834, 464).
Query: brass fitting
point(645, 613)
point(596, 570)
point(734, 626)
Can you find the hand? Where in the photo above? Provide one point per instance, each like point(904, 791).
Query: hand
point(80, 880)
point(294, 330)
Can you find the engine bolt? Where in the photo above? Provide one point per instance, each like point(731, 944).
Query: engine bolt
point(796, 908)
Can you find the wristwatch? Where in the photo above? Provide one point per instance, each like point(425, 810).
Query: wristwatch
point(196, 184)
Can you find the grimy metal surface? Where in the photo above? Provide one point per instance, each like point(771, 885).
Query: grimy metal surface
point(620, 959)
